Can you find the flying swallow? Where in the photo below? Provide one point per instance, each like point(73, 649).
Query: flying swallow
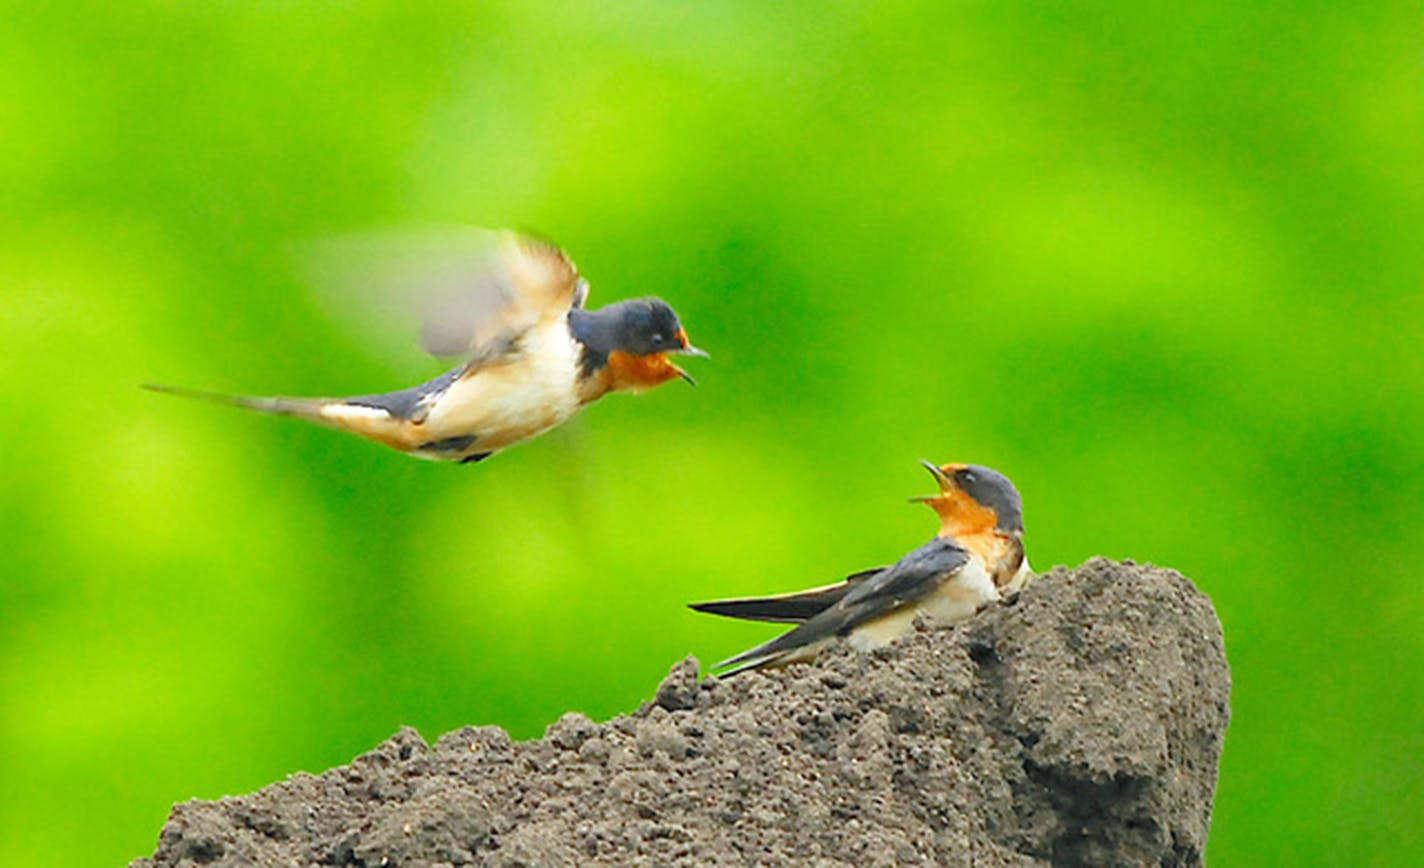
point(533, 355)
point(975, 559)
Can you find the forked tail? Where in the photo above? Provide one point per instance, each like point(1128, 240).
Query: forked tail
point(302, 408)
point(357, 417)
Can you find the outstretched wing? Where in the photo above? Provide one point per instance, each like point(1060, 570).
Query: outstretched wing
point(911, 579)
point(482, 312)
point(792, 608)
point(477, 292)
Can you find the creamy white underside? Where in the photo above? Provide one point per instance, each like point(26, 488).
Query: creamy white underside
point(503, 403)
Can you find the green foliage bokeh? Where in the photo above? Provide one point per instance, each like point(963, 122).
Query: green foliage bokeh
point(1159, 263)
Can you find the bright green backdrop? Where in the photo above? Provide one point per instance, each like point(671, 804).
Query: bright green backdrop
point(1161, 263)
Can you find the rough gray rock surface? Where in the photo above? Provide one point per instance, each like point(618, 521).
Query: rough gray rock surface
point(1080, 724)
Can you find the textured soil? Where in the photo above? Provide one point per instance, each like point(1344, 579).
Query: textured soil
point(1079, 724)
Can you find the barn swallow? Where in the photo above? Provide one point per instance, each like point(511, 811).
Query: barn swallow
point(533, 355)
point(975, 558)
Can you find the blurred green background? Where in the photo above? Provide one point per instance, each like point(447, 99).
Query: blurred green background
point(1159, 263)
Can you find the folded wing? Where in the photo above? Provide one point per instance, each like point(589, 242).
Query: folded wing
point(911, 579)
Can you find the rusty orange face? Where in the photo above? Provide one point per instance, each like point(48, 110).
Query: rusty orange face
point(959, 513)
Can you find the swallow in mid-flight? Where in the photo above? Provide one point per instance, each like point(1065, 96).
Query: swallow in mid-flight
point(976, 558)
point(533, 356)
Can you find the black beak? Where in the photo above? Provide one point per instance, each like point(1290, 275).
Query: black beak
point(946, 484)
point(685, 347)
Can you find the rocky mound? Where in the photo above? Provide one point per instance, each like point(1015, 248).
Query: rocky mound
point(1079, 724)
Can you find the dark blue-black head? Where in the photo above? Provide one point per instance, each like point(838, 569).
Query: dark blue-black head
point(645, 326)
point(634, 338)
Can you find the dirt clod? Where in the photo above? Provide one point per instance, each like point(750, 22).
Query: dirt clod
point(1080, 724)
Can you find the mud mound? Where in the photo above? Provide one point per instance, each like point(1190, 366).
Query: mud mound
point(1080, 724)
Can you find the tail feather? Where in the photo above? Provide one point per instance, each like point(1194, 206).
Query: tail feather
point(802, 643)
point(792, 608)
point(773, 653)
point(356, 416)
point(746, 667)
point(302, 408)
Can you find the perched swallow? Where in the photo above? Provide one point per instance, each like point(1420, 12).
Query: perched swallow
point(977, 557)
point(533, 356)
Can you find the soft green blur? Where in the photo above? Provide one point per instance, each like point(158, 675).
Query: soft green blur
point(1160, 263)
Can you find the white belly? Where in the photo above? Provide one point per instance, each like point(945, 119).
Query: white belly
point(507, 402)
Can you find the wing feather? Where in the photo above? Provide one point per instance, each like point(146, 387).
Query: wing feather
point(476, 292)
point(909, 580)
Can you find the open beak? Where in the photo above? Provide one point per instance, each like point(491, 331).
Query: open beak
point(686, 348)
point(946, 484)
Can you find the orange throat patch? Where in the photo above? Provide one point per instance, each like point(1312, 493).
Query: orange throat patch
point(630, 373)
point(961, 515)
point(975, 526)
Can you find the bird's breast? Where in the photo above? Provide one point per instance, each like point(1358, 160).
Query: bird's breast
point(517, 398)
point(1002, 556)
point(961, 595)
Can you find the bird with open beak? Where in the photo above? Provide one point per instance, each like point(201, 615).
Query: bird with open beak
point(532, 355)
point(976, 558)
point(980, 509)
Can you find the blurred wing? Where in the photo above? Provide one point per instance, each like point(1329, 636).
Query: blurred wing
point(476, 291)
point(912, 578)
point(794, 608)
point(482, 311)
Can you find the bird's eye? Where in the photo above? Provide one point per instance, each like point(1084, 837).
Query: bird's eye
point(657, 339)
